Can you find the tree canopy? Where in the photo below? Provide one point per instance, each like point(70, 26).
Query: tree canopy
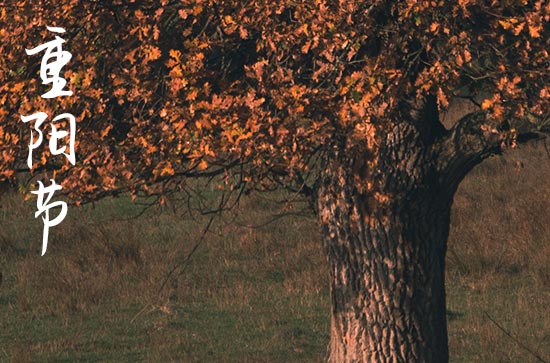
point(164, 90)
point(340, 100)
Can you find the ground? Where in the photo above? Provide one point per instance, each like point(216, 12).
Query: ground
point(260, 294)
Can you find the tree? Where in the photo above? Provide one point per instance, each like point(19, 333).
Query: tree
point(339, 100)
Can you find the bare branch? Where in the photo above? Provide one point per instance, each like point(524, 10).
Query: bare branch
point(516, 340)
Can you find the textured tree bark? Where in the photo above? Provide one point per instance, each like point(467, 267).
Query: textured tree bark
point(384, 199)
point(387, 285)
point(385, 223)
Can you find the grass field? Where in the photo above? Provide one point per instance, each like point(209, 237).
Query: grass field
point(260, 294)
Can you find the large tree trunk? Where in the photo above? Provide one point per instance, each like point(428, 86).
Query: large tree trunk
point(387, 280)
point(384, 212)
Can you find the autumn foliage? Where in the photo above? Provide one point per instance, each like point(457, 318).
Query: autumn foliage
point(254, 90)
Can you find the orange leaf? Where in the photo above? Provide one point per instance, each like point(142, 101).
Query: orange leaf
point(486, 104)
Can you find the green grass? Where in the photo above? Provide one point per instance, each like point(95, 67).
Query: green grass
point(259, 294)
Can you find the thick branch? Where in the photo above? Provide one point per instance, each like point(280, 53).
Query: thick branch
point(476, 137)
point(424, 115)
point(472, 139)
